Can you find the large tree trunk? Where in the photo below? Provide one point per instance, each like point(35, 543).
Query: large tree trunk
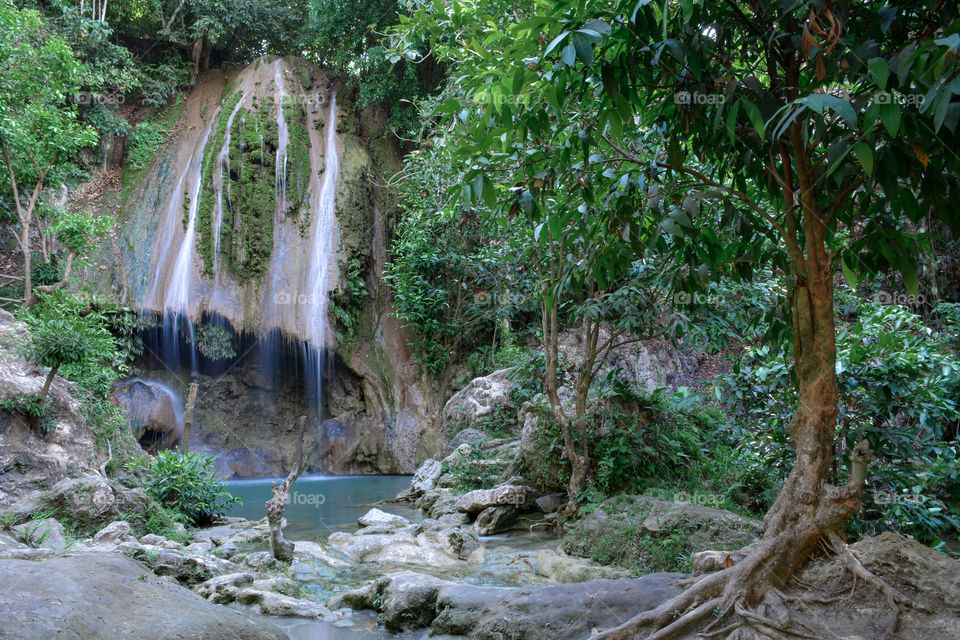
point(188, 416)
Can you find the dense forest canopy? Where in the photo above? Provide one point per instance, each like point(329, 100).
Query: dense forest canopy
point(771, 183)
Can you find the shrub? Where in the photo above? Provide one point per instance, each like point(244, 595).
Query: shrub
point(187, 484)
point(30, 406)
point(145, 142)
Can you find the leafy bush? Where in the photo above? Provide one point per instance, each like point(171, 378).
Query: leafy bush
point(898, 387)
point(187, 484)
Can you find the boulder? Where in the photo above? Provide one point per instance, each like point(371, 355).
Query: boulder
point(187, 568)
point(551, 502)
point(410, 600)
point(495, 519)
point(215, 586)
point(426, 476)
point(87, 499)
point(102, 595)
point(468, 436)
point(479, 399)
point(46, 533)
point(114, 535)
point(472, 502)
point(378, 518)
point(276, 604)
point(260, 560)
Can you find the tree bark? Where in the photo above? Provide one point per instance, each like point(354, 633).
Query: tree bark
point(48, 382)
point(282, 548)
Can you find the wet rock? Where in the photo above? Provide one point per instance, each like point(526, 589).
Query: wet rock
point(46, 533)
point(479, 399)
point(495, 519)
point(426, 476)
point(405, 600)
point(309, 551)
point(102, 595)
point(459, 542)
point(378, 518)
point(276, 604)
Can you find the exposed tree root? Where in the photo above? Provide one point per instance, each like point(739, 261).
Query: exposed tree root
point(895, 599)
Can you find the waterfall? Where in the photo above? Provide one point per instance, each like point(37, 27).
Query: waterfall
point(178, 292)
point(321, 251)
point(283, 138)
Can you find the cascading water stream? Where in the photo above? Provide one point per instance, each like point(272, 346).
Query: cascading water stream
point(283, 139)
point(321, 250)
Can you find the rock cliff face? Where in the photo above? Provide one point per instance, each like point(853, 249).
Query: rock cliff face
point(262, 217)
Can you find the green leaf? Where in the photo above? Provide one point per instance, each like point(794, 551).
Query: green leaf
point(569, 54)
point(890, 115)
point(554, 43)
point(880, 71)
point(584, 48)
point(864, 154)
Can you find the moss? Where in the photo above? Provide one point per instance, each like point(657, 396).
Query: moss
point(298, 165)
point(303, 72)
point(208, 194)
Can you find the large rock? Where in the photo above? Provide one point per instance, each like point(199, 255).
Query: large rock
point(479, 399)
point(154, 412)
point(495, 519)
point(46, 533)
point(409, 600)
point(472, 502)
point(426, 476)
point(562, 568)
point(110, 596)
point(378, 518)
point(88, 499)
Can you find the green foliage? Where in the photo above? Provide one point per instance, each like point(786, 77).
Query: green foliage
point(187, 484)
point(144, 143)
point(79, 231)
point(899, 382)
point(215, 342)
point(31, 406)
point(346, 307)
point(64, 333)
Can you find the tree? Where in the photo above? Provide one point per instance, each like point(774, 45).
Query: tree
point(812, 133)
point(38, 123)
point(65, 333)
